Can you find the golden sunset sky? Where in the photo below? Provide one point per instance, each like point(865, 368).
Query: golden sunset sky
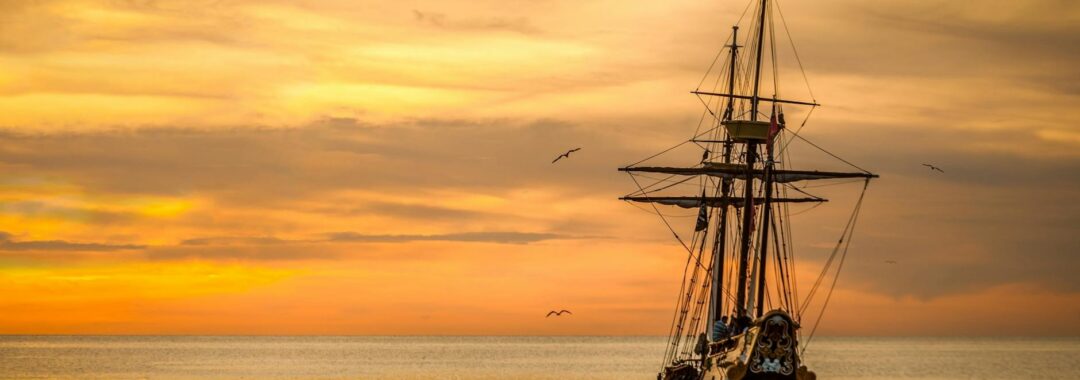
point(383, 167)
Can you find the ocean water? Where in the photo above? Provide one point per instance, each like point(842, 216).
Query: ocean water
point(134, 357)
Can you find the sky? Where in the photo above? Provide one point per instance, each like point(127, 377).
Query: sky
point(372, 167)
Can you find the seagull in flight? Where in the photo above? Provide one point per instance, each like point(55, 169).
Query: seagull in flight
point(567, 154)
point(932, 167)
point(558, 313)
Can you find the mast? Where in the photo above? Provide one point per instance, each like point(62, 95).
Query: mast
point(766, 211)
point(751, 159)
point(766, 208)
point(731, 82)
point(757, 61)
point(720, 242)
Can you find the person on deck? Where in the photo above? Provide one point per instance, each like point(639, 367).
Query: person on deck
point(744, 323)
point(720, 329)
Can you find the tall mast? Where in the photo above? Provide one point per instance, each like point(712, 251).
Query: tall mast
point(766, 217)
point(751, 159)
point(730, 110)
point(757, 61)
point(720, 242)
point(766, 179)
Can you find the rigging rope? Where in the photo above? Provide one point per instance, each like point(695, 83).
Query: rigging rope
point(772, 52)
point(833, 155)
point(788, 235)
point(806, 119)
point(644, 190)
point(713, 64)
point(676, 234)
point(813, 206)
point(797, 59)
point(850, 232)
point(681, 309)
point(673, 147)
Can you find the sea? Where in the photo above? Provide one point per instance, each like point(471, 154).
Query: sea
point(358, 357)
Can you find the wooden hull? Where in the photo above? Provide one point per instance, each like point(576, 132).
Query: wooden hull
point(767, 350)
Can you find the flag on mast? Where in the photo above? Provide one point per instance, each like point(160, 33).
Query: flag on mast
point(703, 215)
point(775, 125)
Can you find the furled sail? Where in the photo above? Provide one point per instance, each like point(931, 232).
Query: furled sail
point(693, 202)
point(740, 172)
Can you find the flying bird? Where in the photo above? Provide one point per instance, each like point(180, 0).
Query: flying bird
point(932, 167)
point(567, 154)
point(558, 313)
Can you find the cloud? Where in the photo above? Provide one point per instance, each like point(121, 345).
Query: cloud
point(408, 211)
point(43, 209)
point(337, 154)
point(233, 241)
point(47, 31)
point(8, 244)
point(503, 237)
point(326, 247)
point(472, 237)
point(964, 39)
point(440, 20)
point(245, 250)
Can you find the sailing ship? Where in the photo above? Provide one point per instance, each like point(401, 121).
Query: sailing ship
point(739, 314)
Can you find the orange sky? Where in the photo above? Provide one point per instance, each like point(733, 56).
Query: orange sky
point(372, 167)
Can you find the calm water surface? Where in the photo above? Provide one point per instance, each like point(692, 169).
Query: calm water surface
point(505, 357)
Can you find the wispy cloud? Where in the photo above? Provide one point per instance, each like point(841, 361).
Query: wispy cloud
point(473, 237)
point(7, 243)
point(337, 154)
point(442, 21)
point(408, 211)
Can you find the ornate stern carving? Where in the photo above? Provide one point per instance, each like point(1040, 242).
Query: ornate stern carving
point(774, 348)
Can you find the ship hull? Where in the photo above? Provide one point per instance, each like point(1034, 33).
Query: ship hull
point(766, 350)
